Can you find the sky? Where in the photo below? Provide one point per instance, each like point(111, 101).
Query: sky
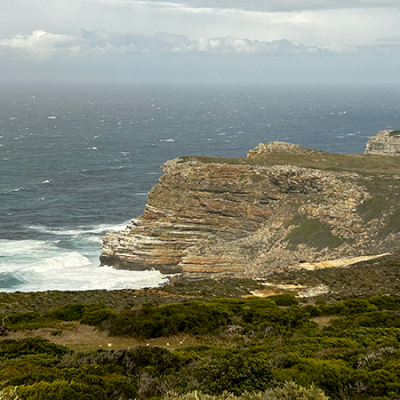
point(200, 41)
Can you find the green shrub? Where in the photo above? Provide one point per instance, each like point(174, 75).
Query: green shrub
point(74, 311)
point(68, 312)
point(235, 373)
point(332, 376)
point(348, 307)
point(29, 379)
point(332, 308)
point(20, 317)
point(61, 390)
point(284, 300)
point(150, 322)
point(358, 307)
point(385, 302)
point(95, 318)
point(11, 348)
point(313, 310)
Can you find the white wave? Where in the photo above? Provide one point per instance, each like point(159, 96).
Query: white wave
point(98, 229)
point(61, 261)
point(46, 181)
point(75, 272)
point(109, 228)
point(52, 117)
point(167, 140)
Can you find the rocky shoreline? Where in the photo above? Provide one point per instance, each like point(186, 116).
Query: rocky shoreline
point(282, 206)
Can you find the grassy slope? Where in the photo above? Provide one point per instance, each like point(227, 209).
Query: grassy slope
point(360, 163)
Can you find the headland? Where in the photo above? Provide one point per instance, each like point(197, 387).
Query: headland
point(282, 207)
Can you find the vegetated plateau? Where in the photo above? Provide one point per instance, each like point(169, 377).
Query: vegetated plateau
point(210, 339)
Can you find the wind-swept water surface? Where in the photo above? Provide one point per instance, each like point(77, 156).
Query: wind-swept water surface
point(76, 162)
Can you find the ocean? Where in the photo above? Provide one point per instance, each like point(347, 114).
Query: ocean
point(78, 161)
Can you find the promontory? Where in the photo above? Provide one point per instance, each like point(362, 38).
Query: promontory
point(283, 206)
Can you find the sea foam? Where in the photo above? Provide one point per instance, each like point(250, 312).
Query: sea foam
point(73, 271)
point(86, 229)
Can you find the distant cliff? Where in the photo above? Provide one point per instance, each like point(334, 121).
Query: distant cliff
point(281, 206)
point(385, 142)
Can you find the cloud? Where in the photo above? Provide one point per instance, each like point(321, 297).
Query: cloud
point(256, 5)
point(311, 22)
point(44, 45)
point(40, 44)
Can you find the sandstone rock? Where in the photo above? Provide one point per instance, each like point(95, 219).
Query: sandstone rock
point(385, 142)
point(280, 147)
point(245, 217)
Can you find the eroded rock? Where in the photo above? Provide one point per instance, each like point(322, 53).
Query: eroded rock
point(386, 142)
point(246, 218)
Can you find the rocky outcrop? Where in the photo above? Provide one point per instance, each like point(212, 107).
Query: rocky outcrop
point(385, 142)
point(263, 149)
point(251, 217)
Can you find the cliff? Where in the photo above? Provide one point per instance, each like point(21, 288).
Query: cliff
point(281, 206)
point(385, 142)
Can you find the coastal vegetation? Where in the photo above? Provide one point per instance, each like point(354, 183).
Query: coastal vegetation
point(203, 340)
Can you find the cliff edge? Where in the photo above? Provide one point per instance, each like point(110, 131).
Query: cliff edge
point(385, 142)
point(281, 206)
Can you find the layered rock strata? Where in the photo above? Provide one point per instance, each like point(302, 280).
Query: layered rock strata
point(385, 142)
point(250, 217)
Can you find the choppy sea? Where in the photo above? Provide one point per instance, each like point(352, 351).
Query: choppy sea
point(78, 161)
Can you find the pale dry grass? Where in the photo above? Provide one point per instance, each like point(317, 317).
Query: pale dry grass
point(79, 337)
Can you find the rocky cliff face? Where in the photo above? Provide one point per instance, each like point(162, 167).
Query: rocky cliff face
point(385, 142)
point(250, 217)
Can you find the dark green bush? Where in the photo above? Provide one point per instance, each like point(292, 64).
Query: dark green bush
point(313, 310)
point(74, 311)
point(68, 312)
point(332, 308)
point(31, 378)
point(234, 373)
point(95, 318)
point(23, 317)
point(358, 307)
point(12, 348)
point(284, 300)
point(348, 307)
point(385, 302)
point(151, 322)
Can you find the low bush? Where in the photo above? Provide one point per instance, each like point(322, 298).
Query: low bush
point(235, 373)
point(289, 391)
point(61, 390)
point(11, 348)
point(284, 300)
point(95, 318)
